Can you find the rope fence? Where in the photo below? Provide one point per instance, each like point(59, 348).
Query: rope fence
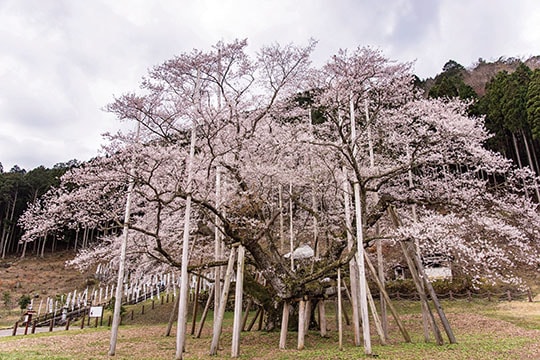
point(469, 295)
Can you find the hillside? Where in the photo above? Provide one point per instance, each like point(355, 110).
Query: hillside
point(479, 75)
point(39, 277)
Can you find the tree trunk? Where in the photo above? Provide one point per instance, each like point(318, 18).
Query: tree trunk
point(10, 227)
point(518, 158)
point(531, 164)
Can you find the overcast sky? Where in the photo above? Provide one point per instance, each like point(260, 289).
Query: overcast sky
point(62, 61)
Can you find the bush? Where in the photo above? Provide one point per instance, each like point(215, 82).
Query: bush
point(24, 301)
point(7, 300)
point(111, 306)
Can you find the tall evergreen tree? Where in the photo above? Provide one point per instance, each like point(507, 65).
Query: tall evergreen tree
point(450, 83)
point(533, 104)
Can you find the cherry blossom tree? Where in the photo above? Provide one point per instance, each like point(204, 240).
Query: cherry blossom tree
point(271, 121)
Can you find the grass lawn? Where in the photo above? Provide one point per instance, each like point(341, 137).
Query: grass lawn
point(484, 330)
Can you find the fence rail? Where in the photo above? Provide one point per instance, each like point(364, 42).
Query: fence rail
point(59, 317)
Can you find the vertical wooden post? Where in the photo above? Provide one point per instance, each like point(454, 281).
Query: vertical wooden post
point(360, 243)
point(380, 270)
point(308, 316)
point(322, 318)
point(340, 310)
point(121, 266)
point(195, 305)
point(281, 220)
point(353, 268)
point(238, 299)
point(218, 246)
point(284, 325)
point(301, 324)
point(184, 289)
point(222, 304)
point(15, 329)
point(291, 227)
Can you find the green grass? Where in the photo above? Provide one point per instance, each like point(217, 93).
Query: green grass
point(483, 337)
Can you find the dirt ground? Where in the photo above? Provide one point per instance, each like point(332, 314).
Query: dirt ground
point(39, 278)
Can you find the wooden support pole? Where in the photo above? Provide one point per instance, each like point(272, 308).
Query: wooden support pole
point(391, 307)
point(284, 326)
point(257, 314)
point(421, 293)
point(238, 299)
point(308, 316)
point(380, 270)
point(376, 319)
point(301, 324)
point(261, 318)
point(195, 305)
point(172, 316)
point(246, 313)
point(435, 299)
point(322, 318)
point(205, 311)
point(222, 304)
point(340, 310)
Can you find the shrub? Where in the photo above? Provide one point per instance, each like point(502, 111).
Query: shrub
point(7, 299)
point(24, 301)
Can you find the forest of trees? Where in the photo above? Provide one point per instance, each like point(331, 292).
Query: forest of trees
point(18, 190)
point(507, 93)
